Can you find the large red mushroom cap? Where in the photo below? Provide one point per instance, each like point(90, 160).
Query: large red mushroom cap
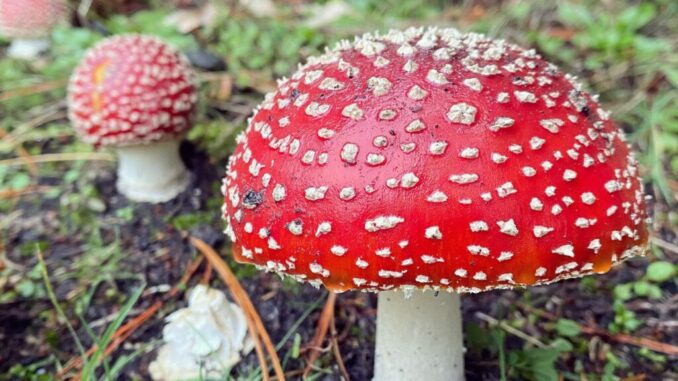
point(30, 18)
point(432, 158)
point(131, 90)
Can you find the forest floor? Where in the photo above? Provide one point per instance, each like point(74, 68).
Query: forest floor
point(73, 252)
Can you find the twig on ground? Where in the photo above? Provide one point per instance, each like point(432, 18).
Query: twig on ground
point(207, 275)
point(82, 10)
point(337, 351)
point(56, 157)
point(638, 377)
point(254, 323)
point(23, 155)
point(632, 340)
point(291, 374)
point(326, 317)
point(664, 244)
point(15, 136)
point(654, 345)
point(11, 193)
point(33, 89)
point(27, 159)
point(514, 331)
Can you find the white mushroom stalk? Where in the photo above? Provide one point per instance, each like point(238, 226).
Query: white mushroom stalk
point(28, 24)
point(27, 49)
point(203, 340)
point(419, 337)
point(151, 172)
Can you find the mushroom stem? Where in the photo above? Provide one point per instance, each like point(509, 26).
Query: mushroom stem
point(151, 172)
point(419, 337)
point(27, 49)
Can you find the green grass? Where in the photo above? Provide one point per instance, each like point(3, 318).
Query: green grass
point(95, 366)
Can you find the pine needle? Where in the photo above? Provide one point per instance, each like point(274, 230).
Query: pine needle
point(326, 317)
point(57, 157)
point(255, 325)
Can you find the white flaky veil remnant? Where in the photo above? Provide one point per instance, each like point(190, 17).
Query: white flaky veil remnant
point(203, 340)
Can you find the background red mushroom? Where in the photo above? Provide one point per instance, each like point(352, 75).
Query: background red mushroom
point(28, 24)
point(431, 160)
point(136, 94)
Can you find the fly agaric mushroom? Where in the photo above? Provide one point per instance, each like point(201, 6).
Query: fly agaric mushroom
point(28, 23)
point(431, 160)
point(137, 94)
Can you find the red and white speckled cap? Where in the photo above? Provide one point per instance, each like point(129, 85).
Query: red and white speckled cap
point(432, 158)
point(30, 18)
point(130, 90)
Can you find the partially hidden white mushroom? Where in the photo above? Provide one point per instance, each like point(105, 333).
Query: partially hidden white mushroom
point(203, 340)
